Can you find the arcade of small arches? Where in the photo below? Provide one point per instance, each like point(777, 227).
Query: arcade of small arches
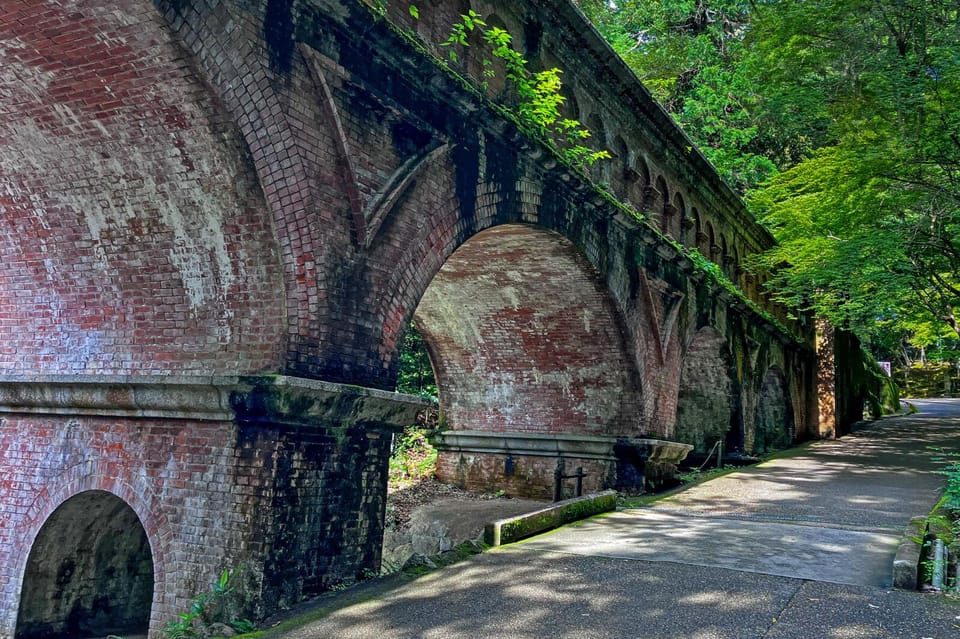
point(630, 173)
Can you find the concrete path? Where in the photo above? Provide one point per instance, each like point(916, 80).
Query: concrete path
point(798, 547)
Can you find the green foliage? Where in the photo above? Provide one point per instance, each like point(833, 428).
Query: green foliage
point(692, 55)
point(838, 119)
point(869, 222)
point(951, 492)
point(538, 94)
point(415, 376)
point(209, 607)
point(413, 458)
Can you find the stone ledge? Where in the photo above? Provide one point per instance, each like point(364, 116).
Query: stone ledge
point(906, 563)
point(299, 402)
point(558, 445)
point(257, 399)
point(505, 531)
point(532, 444)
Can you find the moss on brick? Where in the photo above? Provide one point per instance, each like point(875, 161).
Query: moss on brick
point(507, 531)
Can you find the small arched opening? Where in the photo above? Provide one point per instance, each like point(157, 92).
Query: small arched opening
point(89, 573)
point(679, 218)
point(639, 192)
point(700, 235)
point(488, 69)
point(660, 203)
point(725, 259)
point(600, 171)
point(622, 176)
point(736, 267)
point(713, 249)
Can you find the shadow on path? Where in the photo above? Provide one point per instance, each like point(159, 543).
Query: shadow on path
point(798, 547)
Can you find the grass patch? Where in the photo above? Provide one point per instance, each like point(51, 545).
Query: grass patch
point(413, 458)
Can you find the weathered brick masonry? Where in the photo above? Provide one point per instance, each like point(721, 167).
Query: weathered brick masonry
point(208, 205)
point(280, 476)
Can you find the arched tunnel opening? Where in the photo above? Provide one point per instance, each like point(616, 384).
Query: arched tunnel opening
point(530, 363)
point(89, 573)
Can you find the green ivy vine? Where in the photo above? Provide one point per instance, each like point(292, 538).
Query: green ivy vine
point(538, 113)
point(539, 96)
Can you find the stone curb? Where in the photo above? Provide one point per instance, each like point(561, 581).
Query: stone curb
point(906, 563)
point(505, 531)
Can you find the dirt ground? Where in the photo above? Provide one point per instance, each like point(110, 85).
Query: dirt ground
point(464, 512)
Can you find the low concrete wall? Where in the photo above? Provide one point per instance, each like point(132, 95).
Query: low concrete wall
point(505, 531)
point(906, 563)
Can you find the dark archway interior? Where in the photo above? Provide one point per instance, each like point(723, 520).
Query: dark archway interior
point(774, 424)
point(706, 401)
point(90, 572)
point(523, 337)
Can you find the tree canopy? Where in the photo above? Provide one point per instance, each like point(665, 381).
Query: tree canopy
point(837, 120)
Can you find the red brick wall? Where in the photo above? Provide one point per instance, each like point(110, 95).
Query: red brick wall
point(531, 476)
point(210, 495)
point(179, 477)
point(135, 237)
point(524, 337)
point(183, 190)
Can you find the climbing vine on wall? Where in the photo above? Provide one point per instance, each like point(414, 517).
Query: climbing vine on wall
point(537, 112)
point(538, 94)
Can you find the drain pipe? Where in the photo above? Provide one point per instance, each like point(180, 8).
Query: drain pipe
point(939, 564)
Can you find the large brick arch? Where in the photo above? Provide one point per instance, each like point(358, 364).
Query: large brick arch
point(288, 105)
point(524, 338)
point(136, 238)
point(195, 196)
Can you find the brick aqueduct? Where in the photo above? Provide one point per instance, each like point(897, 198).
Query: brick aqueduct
point(219, 218)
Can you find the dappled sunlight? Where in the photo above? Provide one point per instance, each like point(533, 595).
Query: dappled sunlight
point(854, 631)
point(800, 547)
point(523, 594)
point(721, 600)
point(707, 633)
point(784, 549)
point(868, 479)
point(867, 501)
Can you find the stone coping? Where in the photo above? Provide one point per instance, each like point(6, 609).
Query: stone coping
point(258, 399)
point(560, 444)
point(505, 531)
point(532, 444)
point(658, 450)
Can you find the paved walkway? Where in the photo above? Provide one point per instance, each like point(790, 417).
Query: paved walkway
point(799, 547)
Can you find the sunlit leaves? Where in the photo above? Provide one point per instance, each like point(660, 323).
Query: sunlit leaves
point(869, 223)
point(539, 97)
point(843, 113)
